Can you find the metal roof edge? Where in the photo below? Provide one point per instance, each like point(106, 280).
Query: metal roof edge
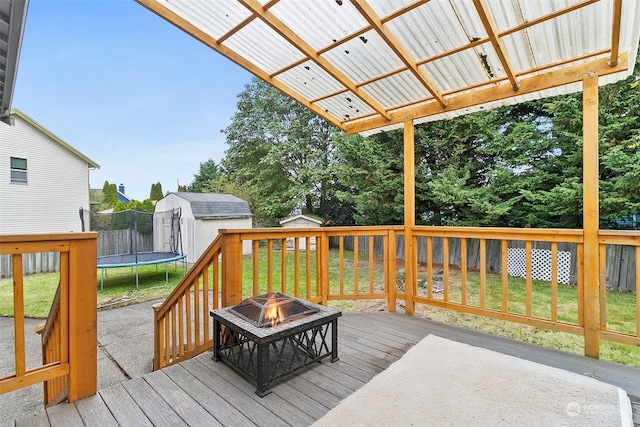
point(17, 21)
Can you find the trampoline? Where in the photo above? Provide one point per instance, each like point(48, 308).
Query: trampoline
point(137, 223)
point(140, 258)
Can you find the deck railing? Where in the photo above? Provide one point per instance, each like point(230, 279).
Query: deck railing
point(69, 336)
point(355, 263)
point(181, 322)
point(610, 330)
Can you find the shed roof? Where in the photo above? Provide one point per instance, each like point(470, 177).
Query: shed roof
point(216, 206)
point(304, 217)
point(367, 65)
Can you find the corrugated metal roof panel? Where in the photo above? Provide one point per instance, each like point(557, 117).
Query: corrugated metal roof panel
point(320, 24)
point(364, 57)
point(310, 80)
point(365, 51)
point(274, 52)
point(398, 89)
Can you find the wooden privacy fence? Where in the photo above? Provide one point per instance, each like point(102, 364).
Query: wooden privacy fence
point(110, 242)
point(127, 241)
point(32, 263)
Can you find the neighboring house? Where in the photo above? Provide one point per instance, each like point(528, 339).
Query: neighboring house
point(123, 197)
point(96, 195)
point(301, 221)
point(43, 180)
point(203, 215)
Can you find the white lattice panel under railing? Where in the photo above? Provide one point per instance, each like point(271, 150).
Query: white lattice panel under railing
point(540, 264)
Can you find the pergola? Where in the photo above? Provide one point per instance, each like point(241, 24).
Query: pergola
point(373, 65)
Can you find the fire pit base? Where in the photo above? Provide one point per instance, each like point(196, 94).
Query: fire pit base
point(267, 354)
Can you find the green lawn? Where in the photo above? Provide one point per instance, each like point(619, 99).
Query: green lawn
point(119, 288)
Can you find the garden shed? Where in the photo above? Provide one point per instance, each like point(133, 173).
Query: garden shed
point(202, 216)
point(301, 221)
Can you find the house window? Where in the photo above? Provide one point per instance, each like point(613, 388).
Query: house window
point(18, 170)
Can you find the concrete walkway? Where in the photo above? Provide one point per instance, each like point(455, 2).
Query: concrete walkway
point(125, 350)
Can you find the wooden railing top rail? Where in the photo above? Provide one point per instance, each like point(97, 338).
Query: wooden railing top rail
point(43, 237)
point(503, 233)
point(196, 269)
point(270, 233)
point(619, 237)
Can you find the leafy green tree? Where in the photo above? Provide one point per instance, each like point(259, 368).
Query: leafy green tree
point(281, 150)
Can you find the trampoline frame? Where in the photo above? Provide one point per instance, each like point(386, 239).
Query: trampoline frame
point(137, 263)
point(175, 243)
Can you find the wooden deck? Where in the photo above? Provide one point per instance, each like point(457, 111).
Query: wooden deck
point(202, 392)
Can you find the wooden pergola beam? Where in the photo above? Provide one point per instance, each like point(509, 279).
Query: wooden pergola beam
point(392, 41)
point(615, 32)
point(555, 78)
point(189, 28)
point(490, 27)
point(275, 24)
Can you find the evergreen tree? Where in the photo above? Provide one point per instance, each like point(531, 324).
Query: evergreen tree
point(156, 191)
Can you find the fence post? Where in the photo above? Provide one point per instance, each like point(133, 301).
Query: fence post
point(83, 316)
point(231, 268)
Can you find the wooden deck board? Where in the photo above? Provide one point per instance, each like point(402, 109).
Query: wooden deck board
point(212, 402)
point(184, 405)
point(154, 407)
point(123, 407)
point(94, 412)
point(36, 419)
point(203, 392)
point(65, 415)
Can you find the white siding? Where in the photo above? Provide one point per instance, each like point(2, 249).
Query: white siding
point(207, 230)
point(57, 187)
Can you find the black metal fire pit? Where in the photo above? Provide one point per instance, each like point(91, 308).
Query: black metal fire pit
point(307, 333)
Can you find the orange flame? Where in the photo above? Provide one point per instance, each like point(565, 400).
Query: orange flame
point(272, 312)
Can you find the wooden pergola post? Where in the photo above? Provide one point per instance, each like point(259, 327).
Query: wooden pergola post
point(409, 215)
point(591, 215)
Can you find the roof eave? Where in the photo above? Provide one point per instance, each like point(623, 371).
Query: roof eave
point(17, 18)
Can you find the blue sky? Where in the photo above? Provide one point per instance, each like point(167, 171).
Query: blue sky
point(127, 89)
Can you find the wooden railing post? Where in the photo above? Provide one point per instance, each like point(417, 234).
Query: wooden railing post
point(231, 268)
point(591, 217)
point(157, 339)
point(83, 315)
point(323, 268)
point(390, 266)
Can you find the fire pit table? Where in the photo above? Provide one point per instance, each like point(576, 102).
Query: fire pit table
point(265, 346)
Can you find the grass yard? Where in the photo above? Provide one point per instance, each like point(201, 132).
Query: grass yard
point(119, 289)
